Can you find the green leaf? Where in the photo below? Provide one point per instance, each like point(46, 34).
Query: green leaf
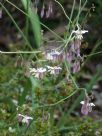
point(34, 20)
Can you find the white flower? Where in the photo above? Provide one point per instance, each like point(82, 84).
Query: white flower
point(54, 52)
point(53, 55)
point(11, 130)
point(38, 73)
point(54, 70)
point(89, 104)
point(24, 119)
point(79, 33)
point(49, 56)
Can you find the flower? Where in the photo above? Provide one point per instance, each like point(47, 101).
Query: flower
point(50, 10)
point(24, 119)
point(54, 70)
point(79, 33)
point(53, 55)
point(38, 73)
point(86, 106)
point(75, 67)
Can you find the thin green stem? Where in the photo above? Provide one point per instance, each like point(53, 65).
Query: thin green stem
point(71, 15)
point(93, 54)
point(58, 102)
point(63, 11)
point(68, 71)
point(27, 20)
point(20, 52)
point(79, 12)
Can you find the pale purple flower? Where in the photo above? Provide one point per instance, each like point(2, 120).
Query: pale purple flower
point(24, 119)
point(49, 11)
point(76, 67)
point(54, 70)
point(53, 55)
point(38, 73)
point(20, 118)
point(70, 54)
point(86, 106)
point(73, 55)
point(77, 45)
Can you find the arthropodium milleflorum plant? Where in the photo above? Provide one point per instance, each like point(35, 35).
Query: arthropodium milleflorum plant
point(47, 88)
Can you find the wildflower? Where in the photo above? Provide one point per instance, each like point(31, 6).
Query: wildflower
point(54, 70)
point(86, 106)
point(49, 12)
point(77, 45)
point(24, 119)
point(79, 33)
point(53, 55)
point(38, 73)
point(76, 67)
point(70, 55)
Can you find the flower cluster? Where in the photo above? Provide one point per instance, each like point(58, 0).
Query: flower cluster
point(71, 55)
point(40, 72)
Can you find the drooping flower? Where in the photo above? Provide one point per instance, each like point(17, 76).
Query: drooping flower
point(50, 10)
point(24, 119)
point(86, 106)
point(53, 55)
point(38, 73)
point(70, 54)
point(42, 11)
point(79, 33)
point(75, 67)
point(77, 45)
point(54, 70)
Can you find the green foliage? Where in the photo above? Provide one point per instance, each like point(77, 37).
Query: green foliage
point(51, 100)
point(34, 20)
